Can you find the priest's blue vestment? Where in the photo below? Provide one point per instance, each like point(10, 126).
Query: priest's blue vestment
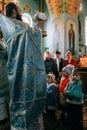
point(26, 73)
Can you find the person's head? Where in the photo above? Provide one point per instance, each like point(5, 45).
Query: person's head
point(68, 55)
point(50, 78)
point(66, 71)
point(13, 11)
point(75, 75)
point(71, 26)
point(58, 54)
point(48, 55)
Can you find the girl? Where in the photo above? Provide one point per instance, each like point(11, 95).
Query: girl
point(65, 79)
point(51, 101)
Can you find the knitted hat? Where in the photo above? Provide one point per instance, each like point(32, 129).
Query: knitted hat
point(67, 69)
point(71, 66)
point(51, 75)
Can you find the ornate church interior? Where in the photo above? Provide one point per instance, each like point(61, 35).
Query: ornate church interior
point(63, 27)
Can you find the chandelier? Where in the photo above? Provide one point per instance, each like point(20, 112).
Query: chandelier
point(58, 7)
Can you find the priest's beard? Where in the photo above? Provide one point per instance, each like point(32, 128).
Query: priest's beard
point(18, 17)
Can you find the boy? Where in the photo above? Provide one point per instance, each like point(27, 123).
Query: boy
point(75, 101)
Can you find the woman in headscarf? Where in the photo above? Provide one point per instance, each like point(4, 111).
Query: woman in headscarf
point(69, 60)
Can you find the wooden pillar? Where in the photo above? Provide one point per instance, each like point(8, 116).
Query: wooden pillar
point(2, 5)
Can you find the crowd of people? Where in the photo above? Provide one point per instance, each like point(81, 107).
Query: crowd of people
point(64, 89)
point(32, 86)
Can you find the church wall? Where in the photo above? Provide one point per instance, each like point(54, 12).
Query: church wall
point(79, 38)
point(32, 4)
point(57, 30)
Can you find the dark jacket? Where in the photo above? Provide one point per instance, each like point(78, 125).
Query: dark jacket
point(51, 66)
point(60, 64)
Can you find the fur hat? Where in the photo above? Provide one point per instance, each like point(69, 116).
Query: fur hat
point(51, 75)
point(68, 70)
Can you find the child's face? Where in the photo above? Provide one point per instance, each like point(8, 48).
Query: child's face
point(49, 79)
point(64, 73)
point(76, 76)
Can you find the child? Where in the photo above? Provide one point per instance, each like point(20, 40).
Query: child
point(51, 101)
point(74, 101)
point(65, 79)
point(66, 72)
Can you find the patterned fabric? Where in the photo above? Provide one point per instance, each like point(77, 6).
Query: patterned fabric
point(3, 83)
point(26, 73)
point(3, 71)
point(37, 125)
point(3, 108)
